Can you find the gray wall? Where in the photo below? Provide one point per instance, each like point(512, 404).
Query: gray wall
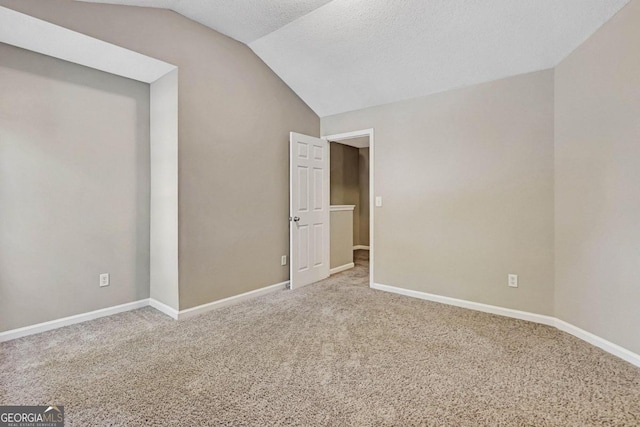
point(235, 116)
point(467, 182)
point(344, 182)
point(74, 188)
point(349, 183)
point(597, 178)
point(363, 189)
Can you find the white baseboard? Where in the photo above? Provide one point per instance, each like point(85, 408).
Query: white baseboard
point(516, 314)
point(363, 247)
point(341, 268)
point(169, 311)
point(602, 343)
point(71, 320)
point(164, 308)
point(194, 311)
point(605, 345)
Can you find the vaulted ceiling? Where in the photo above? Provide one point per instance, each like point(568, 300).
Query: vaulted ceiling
point(342, 55)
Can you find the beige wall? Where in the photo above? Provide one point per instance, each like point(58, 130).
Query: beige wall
point(235, 116)
point(467, 182)
point(341, 238)
point(597, 178)
point(74, 188)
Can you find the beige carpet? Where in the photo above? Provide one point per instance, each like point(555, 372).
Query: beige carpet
point(335, 353)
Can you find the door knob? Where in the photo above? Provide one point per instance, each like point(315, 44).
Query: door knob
point(296, 218)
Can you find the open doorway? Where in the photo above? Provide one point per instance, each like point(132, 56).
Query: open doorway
point(351, 202)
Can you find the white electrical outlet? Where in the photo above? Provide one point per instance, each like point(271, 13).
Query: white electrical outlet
point(513, 280)
point(104, 279)
point(283, 261)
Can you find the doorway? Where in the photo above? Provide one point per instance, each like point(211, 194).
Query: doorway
point(309, 207)
point(351, 201)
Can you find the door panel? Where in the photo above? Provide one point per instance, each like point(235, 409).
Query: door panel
point(318, 194)
point(309, 209)
point(303, 248)
point(318, 253)
point(303, 196)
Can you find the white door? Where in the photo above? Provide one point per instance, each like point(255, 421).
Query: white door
point(308, 209)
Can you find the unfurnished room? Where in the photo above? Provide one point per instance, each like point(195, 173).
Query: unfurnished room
point(319, 213)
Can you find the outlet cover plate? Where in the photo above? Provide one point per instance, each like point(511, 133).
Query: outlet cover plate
point(104, 280)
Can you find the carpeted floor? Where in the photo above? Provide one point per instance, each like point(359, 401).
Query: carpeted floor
point(334, 353)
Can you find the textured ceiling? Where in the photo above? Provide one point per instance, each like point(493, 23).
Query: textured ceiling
point(344, 55)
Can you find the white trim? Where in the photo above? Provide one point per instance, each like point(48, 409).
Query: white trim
point(164, 308)
point(338, 208)
point(371, 134)
point(602, 343)
point(341, 268)
point(348, 135)
point(291, 259)
point(194, 311)
point(516, 314)
point(169, 311)
point(71, 320)
point(593, 339)
point(361, 247)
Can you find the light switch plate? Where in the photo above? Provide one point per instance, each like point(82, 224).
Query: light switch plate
point(104, 279)
point(378, 201)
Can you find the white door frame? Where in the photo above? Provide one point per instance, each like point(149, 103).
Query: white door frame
point(355, 134)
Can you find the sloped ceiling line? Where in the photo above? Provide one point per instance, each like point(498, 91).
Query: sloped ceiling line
point(345, 55)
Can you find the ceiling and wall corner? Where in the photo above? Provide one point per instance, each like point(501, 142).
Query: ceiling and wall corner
point(26, 32)
point(345, 55)
point(243, 20)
